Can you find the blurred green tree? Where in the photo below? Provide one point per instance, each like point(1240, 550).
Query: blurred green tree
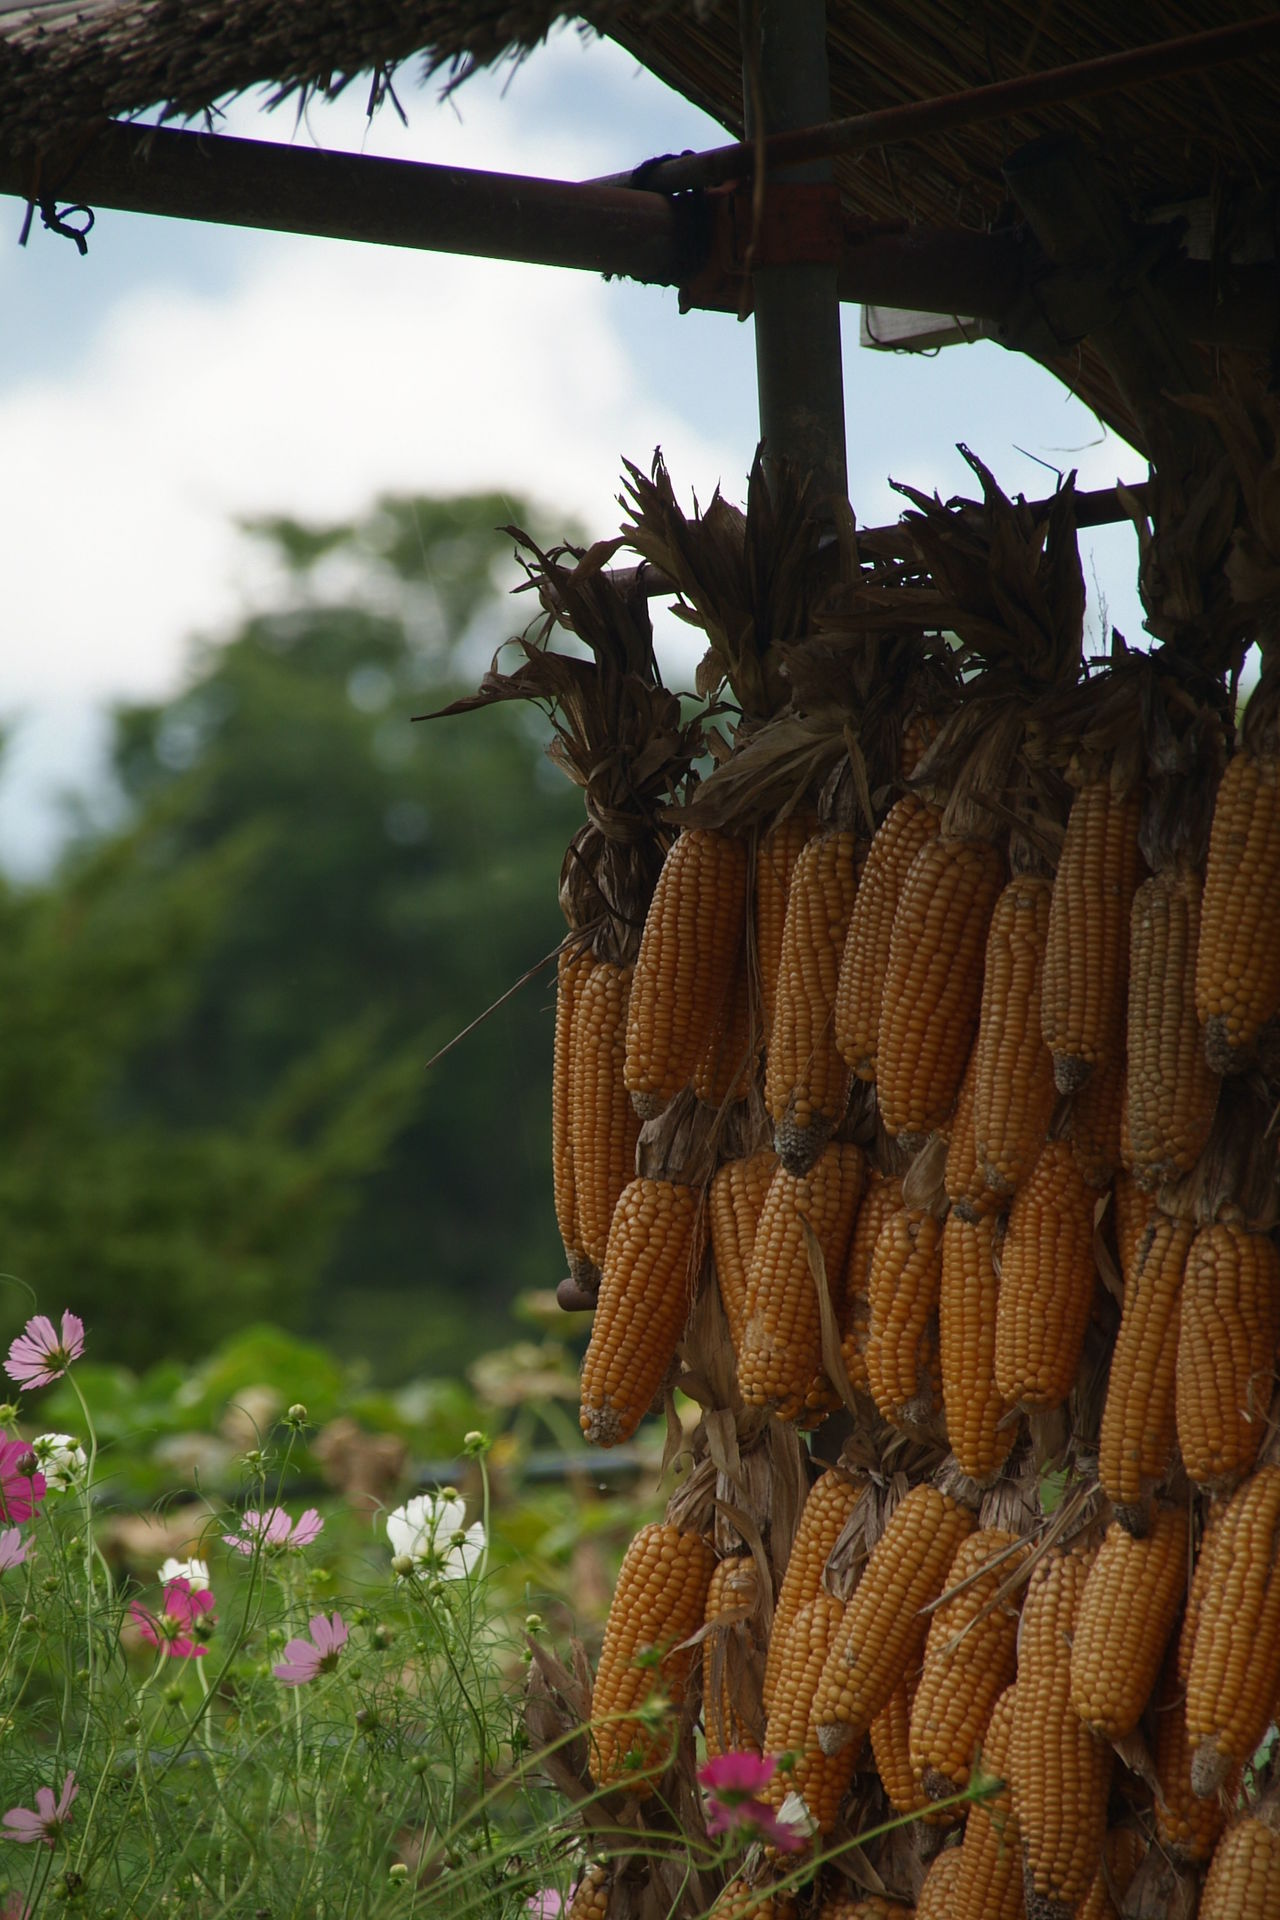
point(217, 1104)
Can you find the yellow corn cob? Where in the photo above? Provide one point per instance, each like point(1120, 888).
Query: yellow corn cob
point(1238, 960)
point(906, 1274)
point(782, 1337)
point(882, 1197)
point(1086, 959)
point(1187, 1826)
point(1170, 1090)
point(1243, 1881)
point(729, 1721)
point(989, 1879)
point(1123, 1852)
point(1202, 1576)
point(1229, 1326)
point(1133, 1212)
point(1136, 1443)
point(571, 969)
point(962, 1177)
point(658, 1603)
point(1046, 1282)
point(883, 1631)
point(976, 1410)
point(590, 1899)
point(902, 833)
point(650, 1267)
point(821, 1779)
point(742, 1901)
point(969, 1660)
point(1013, 1085)
point(726, 1067)
point(933, 985)
point(891, 1748)
point(831, 1500)
point(1235, 1656)
point(604, 1128)
point(776, 856)
point(1059, 1770)
point(1131, 1600)
point(688, 957)
point(1093, 1123)
point(936, 1898)
point(734, 1201)
point(806, 1081)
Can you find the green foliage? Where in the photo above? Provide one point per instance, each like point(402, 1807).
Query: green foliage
point(215, 1103)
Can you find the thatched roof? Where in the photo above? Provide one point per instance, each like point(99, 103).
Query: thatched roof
point(1207, 136)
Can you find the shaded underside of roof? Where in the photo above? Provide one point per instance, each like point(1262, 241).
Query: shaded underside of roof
point(1207, 136)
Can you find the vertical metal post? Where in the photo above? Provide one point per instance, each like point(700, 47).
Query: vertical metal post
point(797, 308)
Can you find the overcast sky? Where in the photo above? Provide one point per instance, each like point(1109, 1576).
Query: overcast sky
point(182, 376)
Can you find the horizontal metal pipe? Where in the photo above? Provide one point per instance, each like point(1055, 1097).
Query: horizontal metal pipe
point(1136, 66)
point(255, 183)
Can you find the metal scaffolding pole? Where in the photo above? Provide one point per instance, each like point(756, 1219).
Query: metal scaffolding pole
point(797, 306)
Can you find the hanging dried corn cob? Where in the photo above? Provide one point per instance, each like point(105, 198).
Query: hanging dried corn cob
point(936, 1898)
point(963, 1180)
point(1013, 1079)
point(865, 959)
point(1093, 1123)
point(902, 1290)
point(969, 1660)
point(1186, 1824)
point(1126, 1615)
point(571, 970)
point(735, 1202)
point(776, 854)
point(821, 1779)
point(882, 1197)
point(831, 1500)
point(806, 1081)
point(659, 1601)
point(1234, 1675)
point(1228, 1330)
point(1046, 1282)
point(989, 1878)
point(1170, 1090)
point(650, 1269)
point(733, 1722)
point(603, 1126)
point(1136, 1443)
point(979, 1423)
point(1086, 959)
point(782, 1344)
point(685, 970)
point(1060, 1772)
point(883, 1630)
point(1243, 1881)
point(890, 1735)
point(933, 984)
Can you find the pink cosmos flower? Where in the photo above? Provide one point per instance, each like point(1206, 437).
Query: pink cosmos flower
point(12, 1550)
point(22, 1486)
point(186, 1613)
point(303, 1660)
point(15, 1907)
point(732, 1781)
point(38, 1357)
point(545, 1904)
point(274, 1532)
point(47, 1822)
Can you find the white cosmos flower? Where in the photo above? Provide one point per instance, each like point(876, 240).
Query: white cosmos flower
point(62, 1461)
point(196, 1571)
point(430, 1531)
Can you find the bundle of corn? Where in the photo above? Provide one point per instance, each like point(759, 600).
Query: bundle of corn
point(920, 1047)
